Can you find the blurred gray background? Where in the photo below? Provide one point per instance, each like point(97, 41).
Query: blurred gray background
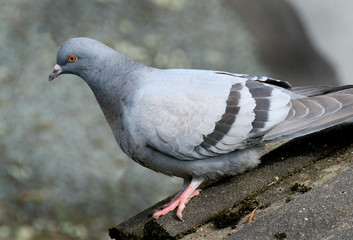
point(62, 176)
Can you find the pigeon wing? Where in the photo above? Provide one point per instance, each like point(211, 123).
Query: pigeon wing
point(311, 114)
point(192, 114)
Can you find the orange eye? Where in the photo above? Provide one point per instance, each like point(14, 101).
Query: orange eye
point(72, 58)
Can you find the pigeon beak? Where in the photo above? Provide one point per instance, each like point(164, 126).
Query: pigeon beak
point(56, 72)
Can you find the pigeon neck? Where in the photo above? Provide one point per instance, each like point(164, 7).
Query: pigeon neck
point(112, 84)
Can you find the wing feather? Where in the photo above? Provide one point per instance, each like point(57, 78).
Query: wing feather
point(312, 114)
point(195, 114)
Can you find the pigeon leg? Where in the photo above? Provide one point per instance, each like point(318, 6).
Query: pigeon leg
point(182, 197)
point(185, 185)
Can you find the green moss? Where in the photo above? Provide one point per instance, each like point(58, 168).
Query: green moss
point(231, 217)
point(297, 187)
point(289, 198)
point(153, 230)
point(281, 236)
point(118, 234)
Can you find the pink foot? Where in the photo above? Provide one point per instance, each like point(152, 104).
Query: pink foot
point(180, 199)
point(177, 198)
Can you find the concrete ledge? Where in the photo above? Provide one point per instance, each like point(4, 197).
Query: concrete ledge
point(223, 209)
point(326, 212)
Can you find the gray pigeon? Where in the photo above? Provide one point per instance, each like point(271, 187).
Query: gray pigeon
point(199, 125)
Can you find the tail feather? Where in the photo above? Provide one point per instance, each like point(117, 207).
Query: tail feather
point(312, 91)
point(311, 114)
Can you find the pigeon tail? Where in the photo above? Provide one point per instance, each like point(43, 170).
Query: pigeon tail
point(314, 113)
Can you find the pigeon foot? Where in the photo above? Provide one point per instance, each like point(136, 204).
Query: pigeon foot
point(181, 199)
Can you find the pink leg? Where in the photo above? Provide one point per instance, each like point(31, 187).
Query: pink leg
point(185, 185)
point(181, 198)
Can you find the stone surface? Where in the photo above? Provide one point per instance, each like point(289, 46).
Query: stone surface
point(326, 212)
point(223, 208)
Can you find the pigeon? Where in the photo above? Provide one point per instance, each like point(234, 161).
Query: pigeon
point(199, 125)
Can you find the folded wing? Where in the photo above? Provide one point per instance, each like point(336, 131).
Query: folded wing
point(199, 114)
point(333, 105)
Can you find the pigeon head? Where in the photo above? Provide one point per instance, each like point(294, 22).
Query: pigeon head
point(79, 56)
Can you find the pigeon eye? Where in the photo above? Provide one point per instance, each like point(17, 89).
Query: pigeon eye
point(72, 58)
